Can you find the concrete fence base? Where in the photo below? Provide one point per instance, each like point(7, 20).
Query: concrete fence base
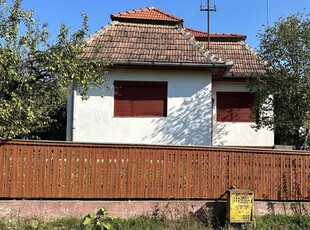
point(50, 209)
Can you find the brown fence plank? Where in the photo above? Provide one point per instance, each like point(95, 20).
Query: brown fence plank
point(6, 172)
point(142, 156)
point(89, 171)
point(2, 177)
point(13, 171)
point(130, 173)
point(101, 165)
point(67, 172)
point(153, 171)
point(35, 171)
point(8, 175)
point(281, 184)
point(199, 174)
point(307, 178)
point(117, 173)
point(20, 167)
point(62, 171)
point(166, 175)
point(108, 175)
point(86, 172)
point(95, 180)
point(159, 175)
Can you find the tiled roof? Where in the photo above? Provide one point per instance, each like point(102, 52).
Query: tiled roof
point(133, 38)
point(246, 62)
point(147, 14)
point(233, 47)
point(201, 34)
point(138, 42)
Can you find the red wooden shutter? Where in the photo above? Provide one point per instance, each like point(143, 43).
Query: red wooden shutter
point(234, 106)
point(140, 99)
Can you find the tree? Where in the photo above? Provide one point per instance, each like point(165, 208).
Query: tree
point(35, 73)
point(283, 96)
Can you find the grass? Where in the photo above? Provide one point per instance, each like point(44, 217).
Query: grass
point(158, 222)
point(283, 222)
point(17, 223)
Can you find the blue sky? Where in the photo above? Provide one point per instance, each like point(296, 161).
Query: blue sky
point(232, 16)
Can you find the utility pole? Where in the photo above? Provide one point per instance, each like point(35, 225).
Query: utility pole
point(208, 9)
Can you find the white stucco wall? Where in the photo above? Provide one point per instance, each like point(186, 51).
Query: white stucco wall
point(237, 133)
point(188, 121)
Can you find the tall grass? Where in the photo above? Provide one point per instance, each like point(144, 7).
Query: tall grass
point(283, 222)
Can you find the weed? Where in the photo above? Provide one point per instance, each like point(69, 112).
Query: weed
point(100, 221)
point(160, 221)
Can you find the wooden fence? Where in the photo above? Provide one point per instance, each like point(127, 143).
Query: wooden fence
point(89, 171)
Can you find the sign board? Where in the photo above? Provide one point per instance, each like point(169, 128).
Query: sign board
point(240, 205)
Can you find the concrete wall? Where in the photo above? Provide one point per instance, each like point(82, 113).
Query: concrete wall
point(188, 120)
point(189, 112)
point(237, 133)
point(50, 209)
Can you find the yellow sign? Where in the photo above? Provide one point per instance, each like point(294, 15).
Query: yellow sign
point(240, 206)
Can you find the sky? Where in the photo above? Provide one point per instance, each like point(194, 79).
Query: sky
point(245, 17)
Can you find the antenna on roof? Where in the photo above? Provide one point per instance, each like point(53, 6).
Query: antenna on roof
point(208, 9)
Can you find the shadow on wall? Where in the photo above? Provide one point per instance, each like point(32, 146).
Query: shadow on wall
point(219, 133)
point(212, 214)
point(188, 123)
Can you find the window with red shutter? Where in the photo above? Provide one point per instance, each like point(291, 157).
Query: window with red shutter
point(140, 99)
point(234, 106)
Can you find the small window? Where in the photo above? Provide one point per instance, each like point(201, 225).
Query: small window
point(234, 106)
point(140, 99)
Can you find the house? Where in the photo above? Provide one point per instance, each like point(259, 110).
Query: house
point(166, 88)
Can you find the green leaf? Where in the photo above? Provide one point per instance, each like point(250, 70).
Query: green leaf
point(87, 221)
point(283, 96)
point(35, 72)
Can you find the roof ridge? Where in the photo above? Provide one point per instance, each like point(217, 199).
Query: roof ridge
point(197, 44)
point(138, 14)
point(228, 35)
point(169, 15)
point(100, 32)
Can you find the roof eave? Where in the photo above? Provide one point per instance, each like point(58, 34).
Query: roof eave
point(175, 64)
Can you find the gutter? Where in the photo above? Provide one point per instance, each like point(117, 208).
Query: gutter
point(228, 64)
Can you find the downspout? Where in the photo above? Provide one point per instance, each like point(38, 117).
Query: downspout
point(212, 114)
point(73, 113)
point(71, 122)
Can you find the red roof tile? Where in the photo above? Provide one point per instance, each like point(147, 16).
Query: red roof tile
point(198, 33)
point(131, 38)
point(246, 61)
point(138, 42)
point(149, 14)
point(233, 47)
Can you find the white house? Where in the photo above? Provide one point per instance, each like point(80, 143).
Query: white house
point(165, 87)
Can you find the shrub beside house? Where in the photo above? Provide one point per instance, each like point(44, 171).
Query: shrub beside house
point(166, 88)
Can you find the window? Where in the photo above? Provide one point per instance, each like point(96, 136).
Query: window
point(140, 99)
point(234, 106)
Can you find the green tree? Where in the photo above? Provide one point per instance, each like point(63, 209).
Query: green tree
point(283, 97)
point(35, 73)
